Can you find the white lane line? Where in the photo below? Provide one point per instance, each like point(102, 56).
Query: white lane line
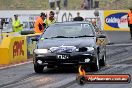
point(1, 68)
point(109, 65)
point(129, 44)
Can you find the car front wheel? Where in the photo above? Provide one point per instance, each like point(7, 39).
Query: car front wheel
point(95, 65)
point(38, 68)
point(102, 62)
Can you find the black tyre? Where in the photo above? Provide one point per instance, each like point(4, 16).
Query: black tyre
point(102, 61)
point(50, 66)
point(95, 65)
point(38, 68)
point(86, 68)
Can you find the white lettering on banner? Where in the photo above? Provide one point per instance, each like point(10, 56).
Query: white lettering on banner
point(112, 20)
point(116, 20)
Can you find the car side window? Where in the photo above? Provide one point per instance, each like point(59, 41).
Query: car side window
point(87, 28)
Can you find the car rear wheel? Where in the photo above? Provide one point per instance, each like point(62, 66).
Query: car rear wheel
point(38, 68)
point(102, 62)
point(95, 65)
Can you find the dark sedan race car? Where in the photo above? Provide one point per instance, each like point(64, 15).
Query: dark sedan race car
point(70, 44)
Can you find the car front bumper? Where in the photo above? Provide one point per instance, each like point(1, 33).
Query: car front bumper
point(78, 58)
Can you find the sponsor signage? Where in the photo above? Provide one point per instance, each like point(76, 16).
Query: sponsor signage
point(116, 20)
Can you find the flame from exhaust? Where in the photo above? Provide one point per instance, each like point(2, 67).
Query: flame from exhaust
point(81, 71)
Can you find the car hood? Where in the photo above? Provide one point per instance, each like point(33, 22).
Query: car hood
point(56, 42)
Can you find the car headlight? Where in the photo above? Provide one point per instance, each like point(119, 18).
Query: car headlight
point(40, 51)
point(90, 48)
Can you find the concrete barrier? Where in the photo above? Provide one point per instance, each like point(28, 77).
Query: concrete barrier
point(16, 48)
point(13, 49)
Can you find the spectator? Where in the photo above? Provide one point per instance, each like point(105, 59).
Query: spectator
point(78, 18)
point(50, 20)
point(84, 5)
point(87, 4)
point(65, 3)
point(58, 3)
point(130, 21)
point(94, 22)
point(39, 26)
point(1, 23)
point(91, 4)
point(52, 4)
point(16, 24)
point(96, 4)
point(1, 28)
point(98, 21)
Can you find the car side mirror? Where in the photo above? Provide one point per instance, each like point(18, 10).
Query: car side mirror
point(101, 36)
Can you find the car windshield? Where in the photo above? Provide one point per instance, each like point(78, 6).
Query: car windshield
point(68, 31)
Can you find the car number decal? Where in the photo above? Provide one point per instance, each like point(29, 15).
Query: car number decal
point(62, 56)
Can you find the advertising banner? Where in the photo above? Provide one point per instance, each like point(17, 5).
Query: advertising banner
point(28, 17)
point(116, 20)
point(17, 49)
point(13, 49)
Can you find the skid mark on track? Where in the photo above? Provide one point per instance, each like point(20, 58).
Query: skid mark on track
point(17, 81)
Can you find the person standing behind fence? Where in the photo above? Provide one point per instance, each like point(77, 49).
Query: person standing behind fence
point(84, 5)
point(52, 4)
point(65, 3)
point(39, 26)
point(1, 28)
point(58, 3)
point(78, 18)
point(87, 4)
point(130, 21)
point(16, 24)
